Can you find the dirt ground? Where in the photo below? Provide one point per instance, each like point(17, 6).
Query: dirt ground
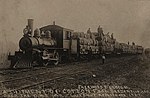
point(129, 79)
point(121, 77)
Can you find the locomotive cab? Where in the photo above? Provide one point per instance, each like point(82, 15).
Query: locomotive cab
point(62, 37)
point(60, 34)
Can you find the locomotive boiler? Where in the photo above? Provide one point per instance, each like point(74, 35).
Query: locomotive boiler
point(28, 43)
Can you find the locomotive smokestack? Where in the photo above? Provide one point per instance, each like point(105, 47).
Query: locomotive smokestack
point(30, 24)
point(53, 22)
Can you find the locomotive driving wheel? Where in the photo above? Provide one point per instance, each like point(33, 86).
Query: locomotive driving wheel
point(57, 59)
point(45, 62)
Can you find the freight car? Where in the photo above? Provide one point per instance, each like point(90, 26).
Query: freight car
point(55, 44)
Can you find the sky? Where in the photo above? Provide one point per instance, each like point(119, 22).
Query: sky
point(129, 20)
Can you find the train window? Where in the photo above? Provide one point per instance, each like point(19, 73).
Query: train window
point(67, 35)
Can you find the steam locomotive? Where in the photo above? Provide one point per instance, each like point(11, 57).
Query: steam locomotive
point(55, 44)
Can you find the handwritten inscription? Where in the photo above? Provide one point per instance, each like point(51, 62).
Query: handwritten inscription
point(80, 91)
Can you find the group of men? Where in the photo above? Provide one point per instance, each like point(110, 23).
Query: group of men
point(99, 30)
point(100, 33)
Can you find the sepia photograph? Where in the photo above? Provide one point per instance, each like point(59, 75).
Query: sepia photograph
point(74, 48)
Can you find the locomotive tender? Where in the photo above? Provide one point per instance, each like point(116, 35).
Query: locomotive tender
point(54, 44)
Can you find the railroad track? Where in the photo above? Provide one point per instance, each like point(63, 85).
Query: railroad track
point(31, 73)
point(27, 76)
point(47, 71)
point(20, 70)
point(31, 84)
point(16, 71)
point(31, 81)
point(49, 80)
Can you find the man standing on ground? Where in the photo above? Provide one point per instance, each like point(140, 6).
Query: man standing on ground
point(89, 54)
point(103, 59)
